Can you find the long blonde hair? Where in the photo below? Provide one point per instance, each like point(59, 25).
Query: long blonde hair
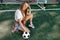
point(23, 5)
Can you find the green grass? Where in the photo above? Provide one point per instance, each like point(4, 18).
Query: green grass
point(53, 6)
point(15, 6)
point(47, 26)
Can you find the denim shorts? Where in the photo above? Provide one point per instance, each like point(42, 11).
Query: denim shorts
point(17, 25)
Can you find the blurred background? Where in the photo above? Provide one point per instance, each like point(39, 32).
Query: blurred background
point(31, 1)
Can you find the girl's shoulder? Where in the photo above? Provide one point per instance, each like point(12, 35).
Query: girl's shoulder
point(17, 10)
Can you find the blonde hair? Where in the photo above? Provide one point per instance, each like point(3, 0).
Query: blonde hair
point(23, 5)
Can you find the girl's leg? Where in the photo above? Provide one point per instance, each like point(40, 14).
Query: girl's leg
point(30, 17)
point(14, 28)
point(31, 24)
point(22, 29)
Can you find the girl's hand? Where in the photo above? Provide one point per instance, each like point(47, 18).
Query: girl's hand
point(26, 29)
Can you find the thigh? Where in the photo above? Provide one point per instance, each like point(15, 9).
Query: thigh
point(28, 17)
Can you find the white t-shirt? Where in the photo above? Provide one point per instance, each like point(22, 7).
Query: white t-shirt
point(18, 15)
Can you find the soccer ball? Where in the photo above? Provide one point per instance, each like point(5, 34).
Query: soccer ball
point(26, 35)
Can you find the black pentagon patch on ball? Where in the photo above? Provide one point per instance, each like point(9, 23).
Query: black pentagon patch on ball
point(25, 32)
point(24, 36)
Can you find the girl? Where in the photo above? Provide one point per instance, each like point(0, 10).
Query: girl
point(21, 16)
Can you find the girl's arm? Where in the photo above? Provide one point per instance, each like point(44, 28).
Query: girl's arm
point(23, 26)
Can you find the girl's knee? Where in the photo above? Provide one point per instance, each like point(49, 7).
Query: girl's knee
point(31, 16)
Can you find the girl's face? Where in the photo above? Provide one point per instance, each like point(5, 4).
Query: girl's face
point(25, 6)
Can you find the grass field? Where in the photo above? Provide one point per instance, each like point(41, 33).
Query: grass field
point(47, 26)
point(15, 6)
